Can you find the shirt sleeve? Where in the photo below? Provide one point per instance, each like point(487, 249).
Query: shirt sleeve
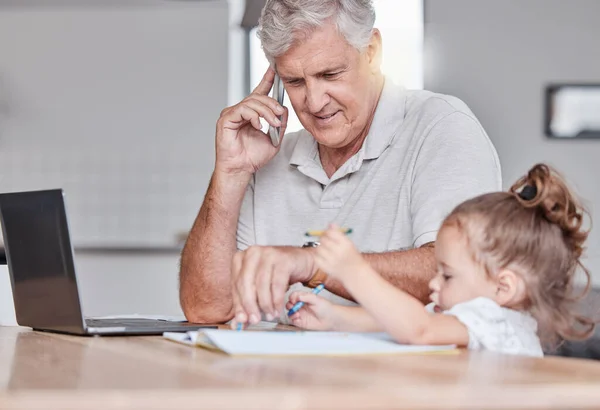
point(456, 162)
point(484, 320)
point(245, 229)
point(494, 328)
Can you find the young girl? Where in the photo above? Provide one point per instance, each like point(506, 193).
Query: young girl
point(506, 265)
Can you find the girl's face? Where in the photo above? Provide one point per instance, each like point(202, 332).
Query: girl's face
point(459, 278)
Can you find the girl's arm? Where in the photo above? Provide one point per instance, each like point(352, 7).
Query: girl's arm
point(320, 314)
point(356, 319)
point(400, 314)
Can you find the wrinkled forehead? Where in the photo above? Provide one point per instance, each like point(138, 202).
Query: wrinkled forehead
point(316, 50)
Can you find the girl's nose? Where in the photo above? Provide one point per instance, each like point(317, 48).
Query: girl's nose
point(434, 284)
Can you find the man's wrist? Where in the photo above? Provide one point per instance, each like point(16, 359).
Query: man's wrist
point(229, 189)
point(305, 264)
point(230, 178)
point(318, 278)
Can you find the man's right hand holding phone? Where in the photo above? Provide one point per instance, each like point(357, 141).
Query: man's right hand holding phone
point(242, 146)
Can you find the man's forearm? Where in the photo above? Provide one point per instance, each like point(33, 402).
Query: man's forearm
point(205, 274)
point(409, 270)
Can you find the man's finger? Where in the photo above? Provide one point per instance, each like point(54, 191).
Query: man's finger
point(264, 276)
point(268, 101)
point(246, 285)
point(248, 114)
point(236, 265)
point(279, 285)
point(264, 111)
point(266, 83)
point(284, 121)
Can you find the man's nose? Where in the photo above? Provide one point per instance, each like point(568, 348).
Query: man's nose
point(316, 97)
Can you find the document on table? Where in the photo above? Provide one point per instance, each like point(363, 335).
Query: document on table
point(280, 343)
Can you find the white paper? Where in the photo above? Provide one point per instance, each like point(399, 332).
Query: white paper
point(300, 343)
point(188, 338)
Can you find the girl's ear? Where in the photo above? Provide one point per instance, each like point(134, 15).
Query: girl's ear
point(510, 288)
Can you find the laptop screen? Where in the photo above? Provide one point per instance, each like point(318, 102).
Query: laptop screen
point(40, 260)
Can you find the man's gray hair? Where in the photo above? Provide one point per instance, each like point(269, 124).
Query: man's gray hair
point(282, 21)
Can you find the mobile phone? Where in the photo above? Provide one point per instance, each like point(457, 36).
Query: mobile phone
point(278, 94)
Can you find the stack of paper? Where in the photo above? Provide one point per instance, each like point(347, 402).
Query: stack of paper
point(299, 343)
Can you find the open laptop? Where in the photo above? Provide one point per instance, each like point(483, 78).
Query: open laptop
point(42, 271)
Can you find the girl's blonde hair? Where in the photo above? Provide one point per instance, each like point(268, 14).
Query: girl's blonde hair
point(536, 231)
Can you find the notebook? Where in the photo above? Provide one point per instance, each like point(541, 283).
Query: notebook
point(268, 343)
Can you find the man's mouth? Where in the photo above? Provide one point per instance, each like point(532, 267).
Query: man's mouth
point(326, 117)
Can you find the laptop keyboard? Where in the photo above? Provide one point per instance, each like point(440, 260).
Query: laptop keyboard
point(137, 323)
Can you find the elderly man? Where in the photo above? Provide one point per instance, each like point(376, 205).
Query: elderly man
point(387, 162)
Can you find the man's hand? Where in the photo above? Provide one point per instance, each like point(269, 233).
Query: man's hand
point(261, 276)
point(241, 146)
point(337, 256)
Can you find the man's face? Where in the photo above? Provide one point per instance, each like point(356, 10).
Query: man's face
point(331, 85)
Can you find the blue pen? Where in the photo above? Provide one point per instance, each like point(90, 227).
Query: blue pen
point(299, 305)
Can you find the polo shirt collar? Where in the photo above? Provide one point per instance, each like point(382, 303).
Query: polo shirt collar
point(388, 117)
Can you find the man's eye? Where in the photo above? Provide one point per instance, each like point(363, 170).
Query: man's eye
point(331, 75)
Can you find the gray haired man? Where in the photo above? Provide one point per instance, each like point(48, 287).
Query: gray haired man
point(385, 161)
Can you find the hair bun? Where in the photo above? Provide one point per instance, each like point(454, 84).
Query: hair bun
point(528, 192)
point(544, 188)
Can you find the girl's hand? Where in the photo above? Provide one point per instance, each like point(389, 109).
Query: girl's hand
point(316, 314)
point(337, 256)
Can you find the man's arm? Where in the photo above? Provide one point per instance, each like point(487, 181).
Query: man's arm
point(241, 147)
point(205, 275)
point(409, 270)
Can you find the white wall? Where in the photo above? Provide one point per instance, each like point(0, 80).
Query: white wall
point(7, 309)
point(116, 282)
point(128, 283)
point(237, 44)
point(498, 55)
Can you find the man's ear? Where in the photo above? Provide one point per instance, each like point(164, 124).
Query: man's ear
point(510, 288)
point(374, 51)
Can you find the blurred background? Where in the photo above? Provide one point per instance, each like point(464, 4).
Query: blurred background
point(115, 101)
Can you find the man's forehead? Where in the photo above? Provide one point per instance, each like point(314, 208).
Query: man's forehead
point(311, 68)
point(322, 49)
point(312, 62)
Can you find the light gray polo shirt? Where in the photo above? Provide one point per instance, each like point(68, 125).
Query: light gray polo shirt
point(425, 153)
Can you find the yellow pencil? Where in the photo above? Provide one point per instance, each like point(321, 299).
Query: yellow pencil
point(320, 233)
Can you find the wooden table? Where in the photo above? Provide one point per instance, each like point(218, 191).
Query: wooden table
point(50, 371)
